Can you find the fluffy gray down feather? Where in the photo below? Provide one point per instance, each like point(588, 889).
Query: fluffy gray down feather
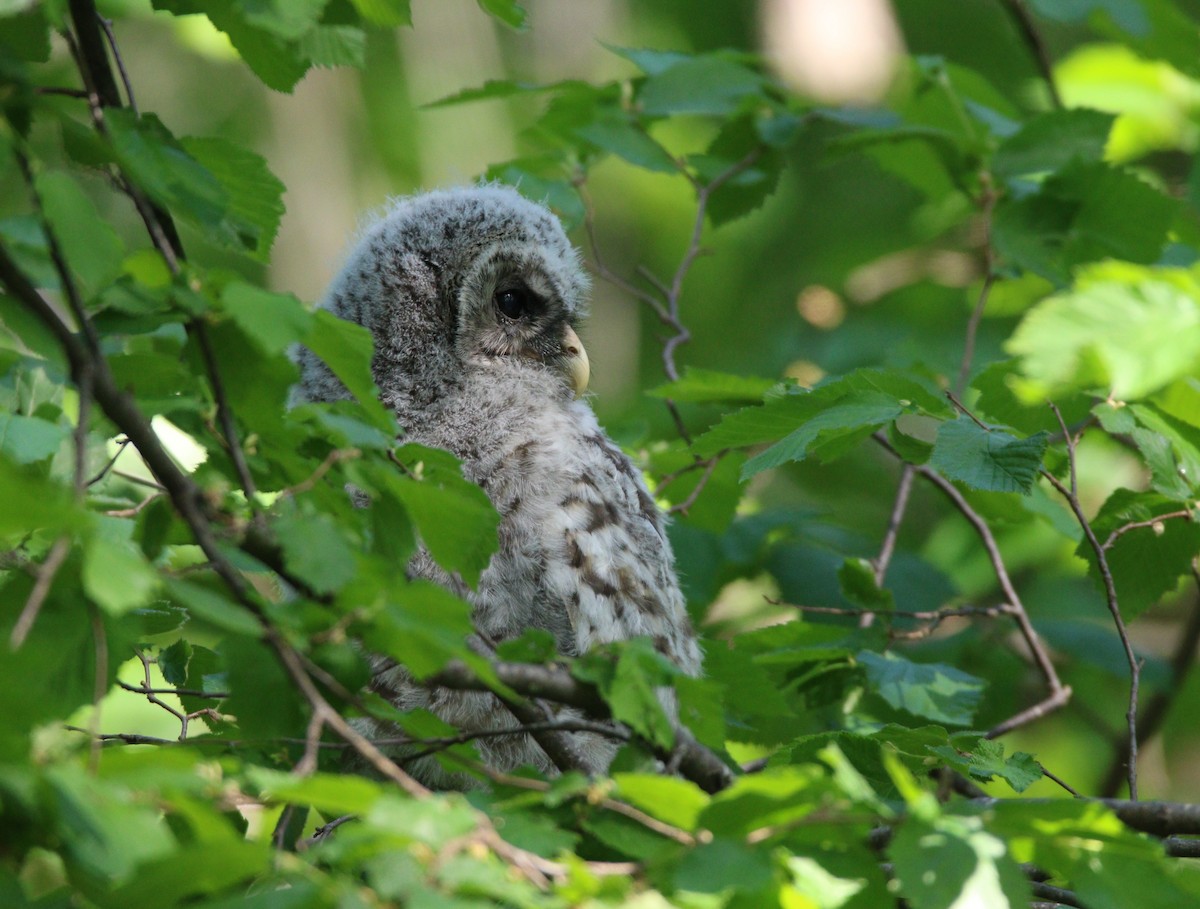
point(583, 548)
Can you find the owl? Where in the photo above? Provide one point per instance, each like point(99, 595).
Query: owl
point(473, 297)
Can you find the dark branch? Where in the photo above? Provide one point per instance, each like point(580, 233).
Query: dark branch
point(693, 760)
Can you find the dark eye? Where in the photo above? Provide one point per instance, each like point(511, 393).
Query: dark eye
point(513, 302)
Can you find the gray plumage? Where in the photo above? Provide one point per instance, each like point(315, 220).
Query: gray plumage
point(472, 296)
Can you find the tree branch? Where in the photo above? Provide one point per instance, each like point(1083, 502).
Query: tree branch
point(694, 761)
point(1059, 693)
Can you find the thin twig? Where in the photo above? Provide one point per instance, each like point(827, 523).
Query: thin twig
point(987, 205)
point(1028, 29)
point(334, 457)
point(666, 304)
point(1059, 781)
point(177, 692)
point(100, 685)
point(199, 331)
point(1155, 711)
point(608, 804)
point(122, 444)
point(1186, 513)
point(41, 587)
point(1110, 597)
point(984, 532)
point(106, 24)
point(884, 559)
point(710, 464)
point(139, 481)
point(135, 510)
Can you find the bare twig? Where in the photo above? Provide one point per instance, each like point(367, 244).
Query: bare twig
point(139, 481)
point(1185, 513)
point(1154, 712)
point(884, 559)
point(199, 331)
point(135, 510)
point(709, 465)
point(608, 804)
point(1028, 29)
point(106, 24)
point(1110, 596)
point(178, 692)
point(41, 587)
point(1032, 639)
point(696, 762)
point(334, 457)
point(1059, 781)
point(665, 303)
point(987, 205)
point(100, 684)
point(122, 444)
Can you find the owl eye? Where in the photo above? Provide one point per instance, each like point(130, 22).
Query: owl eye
point(512, 302)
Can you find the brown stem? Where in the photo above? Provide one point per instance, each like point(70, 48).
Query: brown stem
point(1110, 598)
point(1155, 711)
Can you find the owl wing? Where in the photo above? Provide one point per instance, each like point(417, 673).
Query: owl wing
point(609, 563)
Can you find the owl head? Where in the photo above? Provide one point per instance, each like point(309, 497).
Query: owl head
point(454, 282)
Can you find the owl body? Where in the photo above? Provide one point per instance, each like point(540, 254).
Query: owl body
point(472, 296)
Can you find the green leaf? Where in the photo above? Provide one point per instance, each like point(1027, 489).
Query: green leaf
point(255, 194)
point(115, 573)
point(422, 626)
point(31, 501)
point(844, 422)
point(158, 164)
point(1084, 213)
point(722, 864)
point(212, 606)
point(314, 548)
point(29, 439)
point(279, 63)
point(615, 133)
point(704, 386)
point(699, 85)
point(633, 694)
point(506, 11)
point(856, 578)
point(1145, 562)
point(347, 348)
point(330, 794)
point(988, 459)
point(286, 18)
point(954, 862)
point(91, 247)
point(388, 13)
point(781, 415)
point(335, 45)
point(1108, 333)
point(929, 690)
point(1052, 140)
point(273, 321)
point(985, 759)
point(54, 669)
point(494, 88)
point(676, 801)
point(454, 517)
point(173, 662)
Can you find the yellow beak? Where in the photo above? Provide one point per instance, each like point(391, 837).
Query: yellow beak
point(576, 362)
